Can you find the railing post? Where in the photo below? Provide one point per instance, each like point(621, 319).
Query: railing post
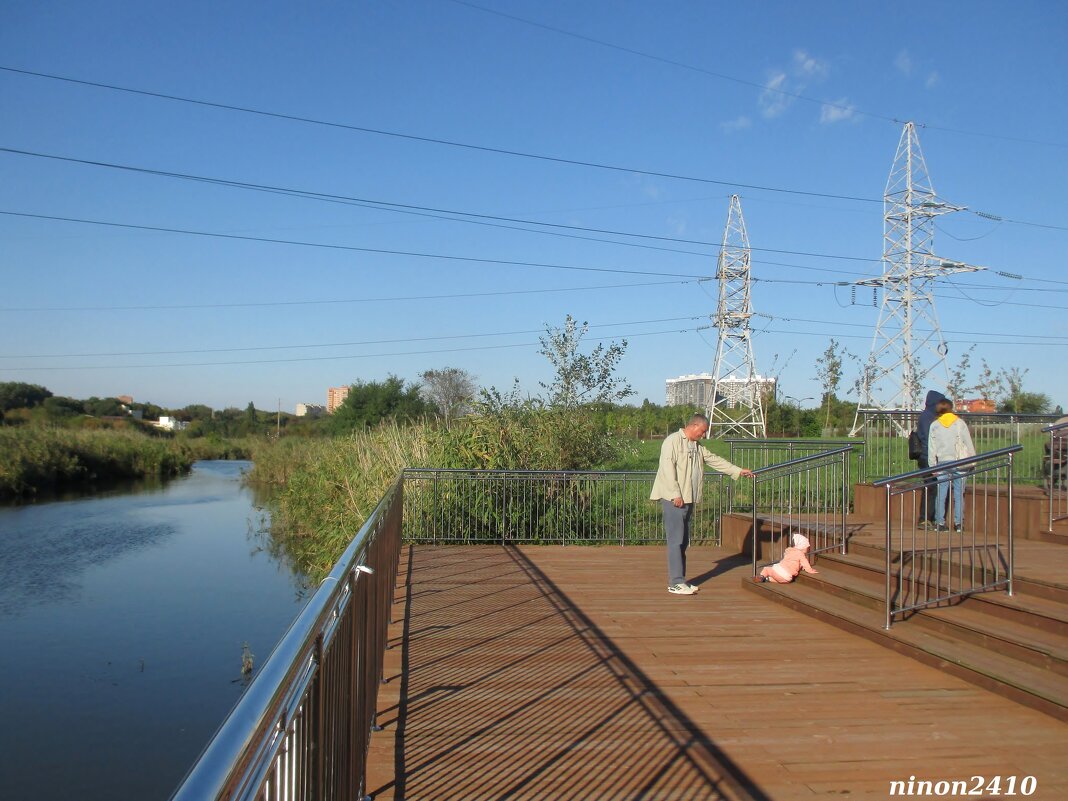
point(756, 531)
point(845, 496)
point(889, 614)
point(1011, 537)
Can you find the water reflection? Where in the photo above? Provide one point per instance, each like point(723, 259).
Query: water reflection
point(123, 621)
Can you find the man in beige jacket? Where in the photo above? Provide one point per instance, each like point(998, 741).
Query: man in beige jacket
point(678, 483)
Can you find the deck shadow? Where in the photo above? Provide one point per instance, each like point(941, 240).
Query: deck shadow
point(510, 691)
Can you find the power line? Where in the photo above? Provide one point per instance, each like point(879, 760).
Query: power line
point(336, 358)
point(386, 299)
point(472, 259)
point(353, 248)
point(537, 156)
point(861, 336)
point(408, 208)
point(436, 141)
point(332, 344)
point(925, 331)
point(480, 218)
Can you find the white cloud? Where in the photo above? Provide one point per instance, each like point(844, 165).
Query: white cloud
point(772, 101)
point(933, 79)
point(738, 124)
point(840, 110)
point(903, 62)
point(808, 66)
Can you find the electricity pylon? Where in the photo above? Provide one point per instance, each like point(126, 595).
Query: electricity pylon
point(735, 405)
point(908, 350)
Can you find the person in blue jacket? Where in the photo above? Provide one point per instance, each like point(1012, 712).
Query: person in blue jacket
point(923, 427)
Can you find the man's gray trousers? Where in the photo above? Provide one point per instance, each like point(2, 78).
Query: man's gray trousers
point(677, 528)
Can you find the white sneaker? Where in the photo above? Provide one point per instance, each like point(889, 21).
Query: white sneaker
point(693, 587)
point(682, 589)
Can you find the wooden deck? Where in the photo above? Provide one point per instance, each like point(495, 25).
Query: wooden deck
point(570, 673)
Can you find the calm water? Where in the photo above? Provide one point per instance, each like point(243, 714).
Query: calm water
point(122, 620)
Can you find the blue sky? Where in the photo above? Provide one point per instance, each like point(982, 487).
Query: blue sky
point(685, 89)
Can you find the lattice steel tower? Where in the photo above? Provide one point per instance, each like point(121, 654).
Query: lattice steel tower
point(735, 405)
point(908, 351)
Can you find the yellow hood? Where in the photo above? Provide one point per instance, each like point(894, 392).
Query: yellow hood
point(948, 419)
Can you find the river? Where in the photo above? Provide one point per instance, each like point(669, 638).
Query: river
point(123, 619)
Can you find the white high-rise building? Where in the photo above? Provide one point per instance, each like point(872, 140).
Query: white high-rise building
point(696, 390)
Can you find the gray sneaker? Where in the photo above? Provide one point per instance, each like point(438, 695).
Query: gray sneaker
point(682, 589)
point(926, 525)
point(957, 529)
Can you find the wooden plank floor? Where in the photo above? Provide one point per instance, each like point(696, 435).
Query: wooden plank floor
point(570, 673)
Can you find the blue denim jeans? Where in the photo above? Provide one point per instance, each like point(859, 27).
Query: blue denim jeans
point(944, 480)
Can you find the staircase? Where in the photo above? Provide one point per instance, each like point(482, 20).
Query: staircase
point(1014, 646)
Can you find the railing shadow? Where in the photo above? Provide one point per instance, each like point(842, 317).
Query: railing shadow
point(510, 691)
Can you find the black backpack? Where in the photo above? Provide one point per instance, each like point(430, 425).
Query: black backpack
point(915, 446)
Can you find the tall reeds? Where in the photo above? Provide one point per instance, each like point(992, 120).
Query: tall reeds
point(33, 459)
point(327, 488)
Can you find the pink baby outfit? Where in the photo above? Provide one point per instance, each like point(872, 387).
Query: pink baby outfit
point(793, 562)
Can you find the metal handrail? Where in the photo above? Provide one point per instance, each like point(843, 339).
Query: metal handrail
point(942, 467)
point(802, 459)
point(929, 568)
point(271, 742)
point(810, 493)
point(1055, 469)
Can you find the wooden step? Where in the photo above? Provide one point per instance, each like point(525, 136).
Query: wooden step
point(1032, 610)
point(978, 619)
point(1034, 686)
point(1024, 584)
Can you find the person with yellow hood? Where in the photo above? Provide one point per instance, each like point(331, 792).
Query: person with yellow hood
point(948, 441)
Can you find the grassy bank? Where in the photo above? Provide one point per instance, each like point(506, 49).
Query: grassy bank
point(39, 460)
point(326, 488)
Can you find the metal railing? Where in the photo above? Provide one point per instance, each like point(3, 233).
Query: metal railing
point(1055, 470)
point(302, 728)
point(540, 507)
point(886, 440)
point(757, 453)
point(808, 495)
point(927, 567)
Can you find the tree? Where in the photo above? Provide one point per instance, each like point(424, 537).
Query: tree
point(1016, 401)
point(17, 395)
point(829, 373)
point(991, 382)
point(1027, 403)
point(450, 389)
point(195, 411)
point(104, 407)
point(958, 376)
point(368, 404)
point(58, 406)
point(582, 378)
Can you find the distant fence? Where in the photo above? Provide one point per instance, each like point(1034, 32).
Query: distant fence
point(928, 567)
point(886, 440)
point(548, 507)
